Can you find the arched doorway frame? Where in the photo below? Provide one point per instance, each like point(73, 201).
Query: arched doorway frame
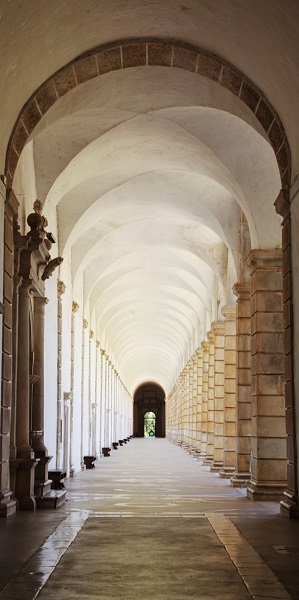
point(154, 402)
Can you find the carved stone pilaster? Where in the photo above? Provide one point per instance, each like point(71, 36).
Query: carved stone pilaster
point(285, 206)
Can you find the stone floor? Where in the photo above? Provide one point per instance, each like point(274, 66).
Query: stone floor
point(150, 521)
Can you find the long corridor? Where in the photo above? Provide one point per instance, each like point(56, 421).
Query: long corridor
point(150, 522)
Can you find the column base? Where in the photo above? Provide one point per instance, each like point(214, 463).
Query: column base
point(265, 491)
point(208, 460)
point(240, 479)
point(25, 482)
point(216, 466)
point(8, 506)
point(41, 488)
point(289, 506)
point(226, 472)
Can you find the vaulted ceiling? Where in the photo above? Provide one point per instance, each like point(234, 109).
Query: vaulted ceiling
point(145, 172)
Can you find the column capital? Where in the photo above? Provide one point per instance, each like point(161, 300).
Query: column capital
point(98, 343)
point(85, 323)
point(211, 337)
point(229, 312)
point(75, 307)
point(199, 352)
point(39, 304)
point(218, 327)
point(205, 346)
point(25, 286)
point(60, 288)
point(91, 334)
point(242, 290)
point(268, 259)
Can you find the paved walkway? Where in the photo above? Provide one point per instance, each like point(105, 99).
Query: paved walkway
point(150, 522)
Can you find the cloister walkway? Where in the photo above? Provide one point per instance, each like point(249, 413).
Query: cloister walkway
point(150, 522)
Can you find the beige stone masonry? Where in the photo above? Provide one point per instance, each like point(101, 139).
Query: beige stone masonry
point(199, 354)
point(194, 403)
point(230, 359)
point(244, 410)
point(269, 471)
point(290, 502)
point(218, 329)
point(205, 396)
point(211, 403)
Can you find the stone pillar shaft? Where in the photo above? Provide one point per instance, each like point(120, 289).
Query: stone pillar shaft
point(218, 329)
point(199, 353)
point(229, 441)
point(23, 384)
point(244, 408)
point(38, 386)
point(289, 213)
point(211, 402)
point(205, 393)
point(8, 212)
point(268, 405)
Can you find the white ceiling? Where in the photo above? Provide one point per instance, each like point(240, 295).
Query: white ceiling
point(144, 174)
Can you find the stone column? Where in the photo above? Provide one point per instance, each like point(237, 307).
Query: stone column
point(60, 292)
point(75, 308)
point(199, 354)
point(269, 472)
point(230, 360)
point(194, 403)
point(287, 207)
point(183, 412)
point(83, 376)
point(244, 408)
point(205, 394)
point(8, 213)
point(102, 400)
point(91, 411)
point(218, 329)
point(211, 403)
point(180, 409)
point(96, 436)
point(25, 471)
point(42, 482)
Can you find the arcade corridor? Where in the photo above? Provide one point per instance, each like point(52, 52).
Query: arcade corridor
point(151, 522)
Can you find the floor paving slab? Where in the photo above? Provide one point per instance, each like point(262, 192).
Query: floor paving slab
point(150, 521)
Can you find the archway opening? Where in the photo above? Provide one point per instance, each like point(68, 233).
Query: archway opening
point(149, 411)
point(149, 420)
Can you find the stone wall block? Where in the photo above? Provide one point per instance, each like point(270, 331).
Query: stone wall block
point(268, 322)
point(266, 302)
point(230, 387)
point(267, 425)
point(267, 364)
point(109, 60)
point(159, 54)
point(267, 280)
point(270, 470)
point(267, 343)
point(134, 55)
point(244, 411)
point(5, 419)
point(86, 69)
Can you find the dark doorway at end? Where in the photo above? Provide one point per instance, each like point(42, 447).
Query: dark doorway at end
point(149, 398)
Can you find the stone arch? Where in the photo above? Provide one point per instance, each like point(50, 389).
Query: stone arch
point(147, 52)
